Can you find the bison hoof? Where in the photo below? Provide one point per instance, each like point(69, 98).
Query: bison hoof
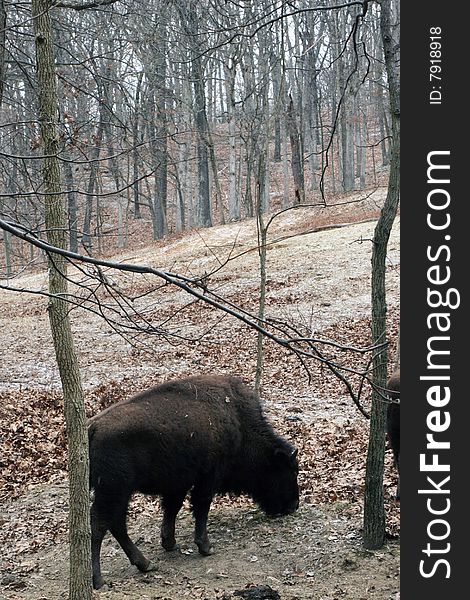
point(98, 583)
point(150, 567)
point(205, 549)
point(144, 565)
point(170, 546)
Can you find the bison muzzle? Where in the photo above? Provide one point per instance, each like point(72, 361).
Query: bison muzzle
point(205, 435)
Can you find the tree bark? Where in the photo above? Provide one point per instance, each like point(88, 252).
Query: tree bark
point(80, 587)
point(374, 516)
point(3, 32)
point(233, 199)
point(71, 208)
point(92, 186)
point(160, 145)
point(189, 20)
point(296, 149)
point(135, 150)
point(262, 237)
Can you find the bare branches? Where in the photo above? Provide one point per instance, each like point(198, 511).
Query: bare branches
point(83, 5)
point(134, 80)
point(98, 293)
point(354, 70)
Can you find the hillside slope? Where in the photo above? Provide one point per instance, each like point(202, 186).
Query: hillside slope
point(318, 280)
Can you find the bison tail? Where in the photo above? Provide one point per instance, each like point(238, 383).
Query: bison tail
point(92, 476)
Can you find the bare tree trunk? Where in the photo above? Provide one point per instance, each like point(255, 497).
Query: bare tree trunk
point(3, 33)
point(7, 253)
point(215, 176)
point(184, 212)
point(189, 19)
point(204, 216)
point(161, 175)
point(80, 587)
point(384, 132)
point(374, 516)
point(262, 236)
point(180, 212)
point(135, 151)
point(71, 207)
point(311, 94)
point(233, 199)
point(92, 188)
point(296, 149)
point(285, 166)
point(360, 144)
point(278, 92)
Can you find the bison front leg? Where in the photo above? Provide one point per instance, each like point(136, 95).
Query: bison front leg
point(201, 500)
point(171, 506)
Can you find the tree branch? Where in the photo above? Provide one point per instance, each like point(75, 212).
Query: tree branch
point(85, 5)
point(125, 319)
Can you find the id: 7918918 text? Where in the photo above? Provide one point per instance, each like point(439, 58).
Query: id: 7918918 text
point(435, 65)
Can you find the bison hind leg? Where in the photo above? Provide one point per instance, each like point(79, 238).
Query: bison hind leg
point(201, 498)
point(98, 531)
point(171, 505)
point(119, 531)
point(109, 512)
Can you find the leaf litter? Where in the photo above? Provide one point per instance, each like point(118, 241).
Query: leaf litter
point(315, 553)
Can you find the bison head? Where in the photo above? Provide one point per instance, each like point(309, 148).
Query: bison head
point(277, 490)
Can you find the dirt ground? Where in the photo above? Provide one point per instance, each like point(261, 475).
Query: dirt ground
point(321, 280)
point(315, 553)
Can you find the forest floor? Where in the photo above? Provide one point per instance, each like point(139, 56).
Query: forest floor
point(318, 279)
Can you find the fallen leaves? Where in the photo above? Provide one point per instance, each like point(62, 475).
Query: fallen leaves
point(318, 417)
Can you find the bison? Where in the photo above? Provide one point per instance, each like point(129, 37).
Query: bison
point(204, 434)
point(393, 420)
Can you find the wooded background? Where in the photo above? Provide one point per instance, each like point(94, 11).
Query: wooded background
point(187, 114)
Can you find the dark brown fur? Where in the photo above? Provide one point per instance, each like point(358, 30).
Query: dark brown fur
point(393, 420)
point(203, 434)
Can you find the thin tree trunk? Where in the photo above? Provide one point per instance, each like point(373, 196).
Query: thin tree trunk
point(384, 132)
point(189, 18)
point(296, 150)
point(285, 166)
point(91, 188)
point(71, 207)
point(262, 236)
point(277, 99)
point(80, 586)
point(3, 32)
point(215, 175)
point(184, 212)
point(180, 213)
point(159, 197)
point(135, 150)
point(161, 144)
point(7, 245)
point(374, 516)
point(233, 200)
point(347, 143)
